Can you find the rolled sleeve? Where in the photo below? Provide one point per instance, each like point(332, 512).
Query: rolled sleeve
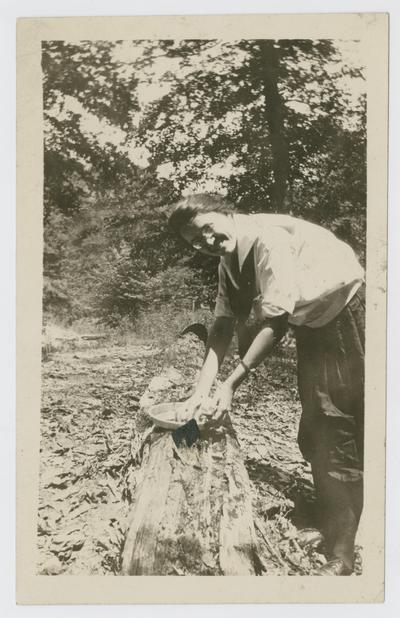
point(223, 307)
point(275, 273)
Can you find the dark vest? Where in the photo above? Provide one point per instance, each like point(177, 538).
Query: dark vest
point(241, 300)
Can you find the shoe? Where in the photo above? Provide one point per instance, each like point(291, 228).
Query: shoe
point(309, 537)
point(334, 567)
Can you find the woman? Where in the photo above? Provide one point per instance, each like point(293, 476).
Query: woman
point(289, 271)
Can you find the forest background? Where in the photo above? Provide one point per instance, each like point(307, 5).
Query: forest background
point(131, 126)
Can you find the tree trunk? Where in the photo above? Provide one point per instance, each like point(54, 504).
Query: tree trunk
point(275, 114)
point(191, 511)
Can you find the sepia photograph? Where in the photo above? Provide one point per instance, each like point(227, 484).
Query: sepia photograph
point(204, 268)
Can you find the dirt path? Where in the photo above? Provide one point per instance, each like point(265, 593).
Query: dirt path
point(89, 411)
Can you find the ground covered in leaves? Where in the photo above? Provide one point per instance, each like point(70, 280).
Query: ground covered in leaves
point(90, 423)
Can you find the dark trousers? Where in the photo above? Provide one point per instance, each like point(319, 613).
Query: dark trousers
point(330, 367)
point(331, 433)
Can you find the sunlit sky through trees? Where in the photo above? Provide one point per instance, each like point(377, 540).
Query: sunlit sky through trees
point(156, 73)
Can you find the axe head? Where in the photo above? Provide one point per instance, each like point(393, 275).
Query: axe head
point(197, 329)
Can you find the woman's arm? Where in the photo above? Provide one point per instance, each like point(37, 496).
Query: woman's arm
point(256, 353)
point(219, 339)
point(259, 348)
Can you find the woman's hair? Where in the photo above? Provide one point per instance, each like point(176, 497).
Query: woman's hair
point(189, 207)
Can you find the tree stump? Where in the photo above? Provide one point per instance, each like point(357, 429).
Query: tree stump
point(191, 511)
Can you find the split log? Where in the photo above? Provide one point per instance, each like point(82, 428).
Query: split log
point(192, 511)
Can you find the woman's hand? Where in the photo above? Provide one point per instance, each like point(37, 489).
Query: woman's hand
point(223, 402)
point(195, 405)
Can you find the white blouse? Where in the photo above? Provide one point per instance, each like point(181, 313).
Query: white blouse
point(300, 268)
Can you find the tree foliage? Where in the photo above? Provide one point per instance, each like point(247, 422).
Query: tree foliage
point(105, 220)
point(274, 125)
point(275, 111)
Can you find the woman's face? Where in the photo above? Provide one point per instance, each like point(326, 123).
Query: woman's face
point(211, 233)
